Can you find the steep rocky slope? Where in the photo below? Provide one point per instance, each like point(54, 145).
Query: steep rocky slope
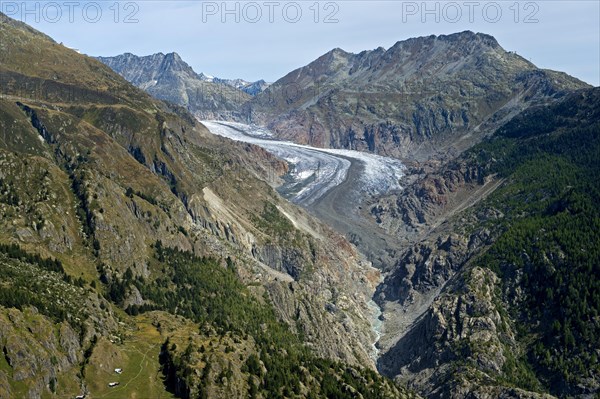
point(168, 77)
point(135, 198)
point(496, 293)
point(423, 97)
point(44, 347)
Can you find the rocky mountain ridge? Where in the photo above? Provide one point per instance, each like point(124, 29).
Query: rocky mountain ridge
point(142, 71)
point(252, 88)
point(424, 97)
point(168, 77)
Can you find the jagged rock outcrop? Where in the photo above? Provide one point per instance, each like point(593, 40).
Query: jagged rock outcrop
point(460, 345)
point(168, 77)
point(433, 193)
point(37, 352)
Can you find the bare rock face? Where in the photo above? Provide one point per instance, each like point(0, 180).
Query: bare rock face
point(437, 244)
point(168, 77)
point(434, 192)
point(424, 267)
point(463, 325)
point(36, 350)
point(423, 97)
point(332, 325)
point(438, 311)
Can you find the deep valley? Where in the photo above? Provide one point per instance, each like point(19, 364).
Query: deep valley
point(417, 221)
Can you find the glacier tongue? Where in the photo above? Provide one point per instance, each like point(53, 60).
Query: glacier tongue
point(315, 171)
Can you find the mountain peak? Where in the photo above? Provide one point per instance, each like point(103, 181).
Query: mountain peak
point(174, 56)
point(468, 40)
point(412, 81)
point(338, 50)
point(468, 35)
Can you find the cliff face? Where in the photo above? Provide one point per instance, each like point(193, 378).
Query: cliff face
point(37, 352)
point(424, 97)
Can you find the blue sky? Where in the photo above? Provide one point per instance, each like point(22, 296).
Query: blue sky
point(267, 39)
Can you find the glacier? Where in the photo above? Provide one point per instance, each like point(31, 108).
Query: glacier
point(315, 171)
